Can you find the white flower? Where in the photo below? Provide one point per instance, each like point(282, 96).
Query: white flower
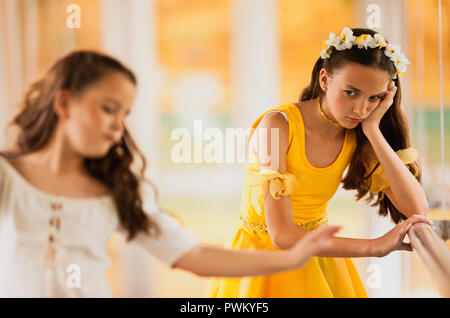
point(345, 39)
point(346, 34)
point(392, 51)
point(331, 40)
point(404, 59)
point(380, 40)
point(370, 42)
point(325, 54)
point(360, 40)
point(400, 65)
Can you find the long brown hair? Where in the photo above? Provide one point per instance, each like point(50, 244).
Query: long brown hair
point(37, 121)
point(394, 124)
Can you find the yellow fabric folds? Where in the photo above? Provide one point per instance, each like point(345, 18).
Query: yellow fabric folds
point(270, 180)
point(378, 181)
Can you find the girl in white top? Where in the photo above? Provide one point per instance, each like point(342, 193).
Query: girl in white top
point(70, 183)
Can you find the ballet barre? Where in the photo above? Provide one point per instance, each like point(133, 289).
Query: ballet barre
point(434, 253)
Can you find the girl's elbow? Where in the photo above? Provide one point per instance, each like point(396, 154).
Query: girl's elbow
point(284, 237)
point(421, 208)
point(280, 242)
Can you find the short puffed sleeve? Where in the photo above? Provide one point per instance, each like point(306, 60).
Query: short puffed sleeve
point(172, 243)
point(375, 179)
point(270, 180)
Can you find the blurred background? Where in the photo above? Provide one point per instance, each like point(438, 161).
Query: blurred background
point(224, 62)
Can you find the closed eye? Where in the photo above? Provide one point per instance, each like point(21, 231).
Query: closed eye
point(107, 109)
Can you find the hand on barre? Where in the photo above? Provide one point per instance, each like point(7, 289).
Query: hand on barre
point(393, 240)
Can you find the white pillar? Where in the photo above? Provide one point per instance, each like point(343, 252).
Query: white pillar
point(11, 64)
point(31, 43)
point(129, 34)
point(255, 59)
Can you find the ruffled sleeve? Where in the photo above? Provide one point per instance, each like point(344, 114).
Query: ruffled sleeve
point(375, 178)
point(270, 180)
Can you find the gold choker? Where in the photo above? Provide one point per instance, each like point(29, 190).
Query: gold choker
point(325, 116)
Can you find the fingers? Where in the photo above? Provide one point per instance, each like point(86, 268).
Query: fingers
point(418, 218)
point(392, 87)
point(401, 229)
point(390, 93)
point(405, 228)
point(320, 238)
point(327, 231)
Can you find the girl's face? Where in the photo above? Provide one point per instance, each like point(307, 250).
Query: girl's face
point(353, 92)
point(95, 120)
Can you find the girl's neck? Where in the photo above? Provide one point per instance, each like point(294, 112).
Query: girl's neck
point(57, 157)
point(315, 122)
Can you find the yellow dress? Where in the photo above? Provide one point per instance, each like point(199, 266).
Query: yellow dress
point(310, 193)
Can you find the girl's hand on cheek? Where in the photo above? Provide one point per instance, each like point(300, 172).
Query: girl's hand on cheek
point(373, 121)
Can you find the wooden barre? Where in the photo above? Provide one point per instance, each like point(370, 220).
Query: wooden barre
point(434, 253)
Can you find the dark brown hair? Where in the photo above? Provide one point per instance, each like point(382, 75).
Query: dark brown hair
point(393, 125)
point(37, 121)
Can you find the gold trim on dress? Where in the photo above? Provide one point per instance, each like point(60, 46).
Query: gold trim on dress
point(261, 227)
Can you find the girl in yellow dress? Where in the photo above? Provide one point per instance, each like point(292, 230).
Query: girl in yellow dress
point(349, 116)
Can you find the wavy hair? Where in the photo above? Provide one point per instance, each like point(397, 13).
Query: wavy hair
point(37, 121)
point(394, 124)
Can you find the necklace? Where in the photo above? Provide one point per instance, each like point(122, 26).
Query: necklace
point(325, 116)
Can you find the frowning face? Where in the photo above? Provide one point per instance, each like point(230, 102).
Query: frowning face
point(353, 92)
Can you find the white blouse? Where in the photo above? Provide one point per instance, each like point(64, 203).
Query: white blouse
point(54, 246)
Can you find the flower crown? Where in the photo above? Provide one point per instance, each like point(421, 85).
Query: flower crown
point(346, 39)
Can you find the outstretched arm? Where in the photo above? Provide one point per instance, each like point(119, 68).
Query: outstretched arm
point(213, 261)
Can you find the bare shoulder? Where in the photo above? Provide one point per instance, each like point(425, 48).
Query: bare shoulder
point(274, 119)
point(276, 137)
point(270, 121)
point(277, 121)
